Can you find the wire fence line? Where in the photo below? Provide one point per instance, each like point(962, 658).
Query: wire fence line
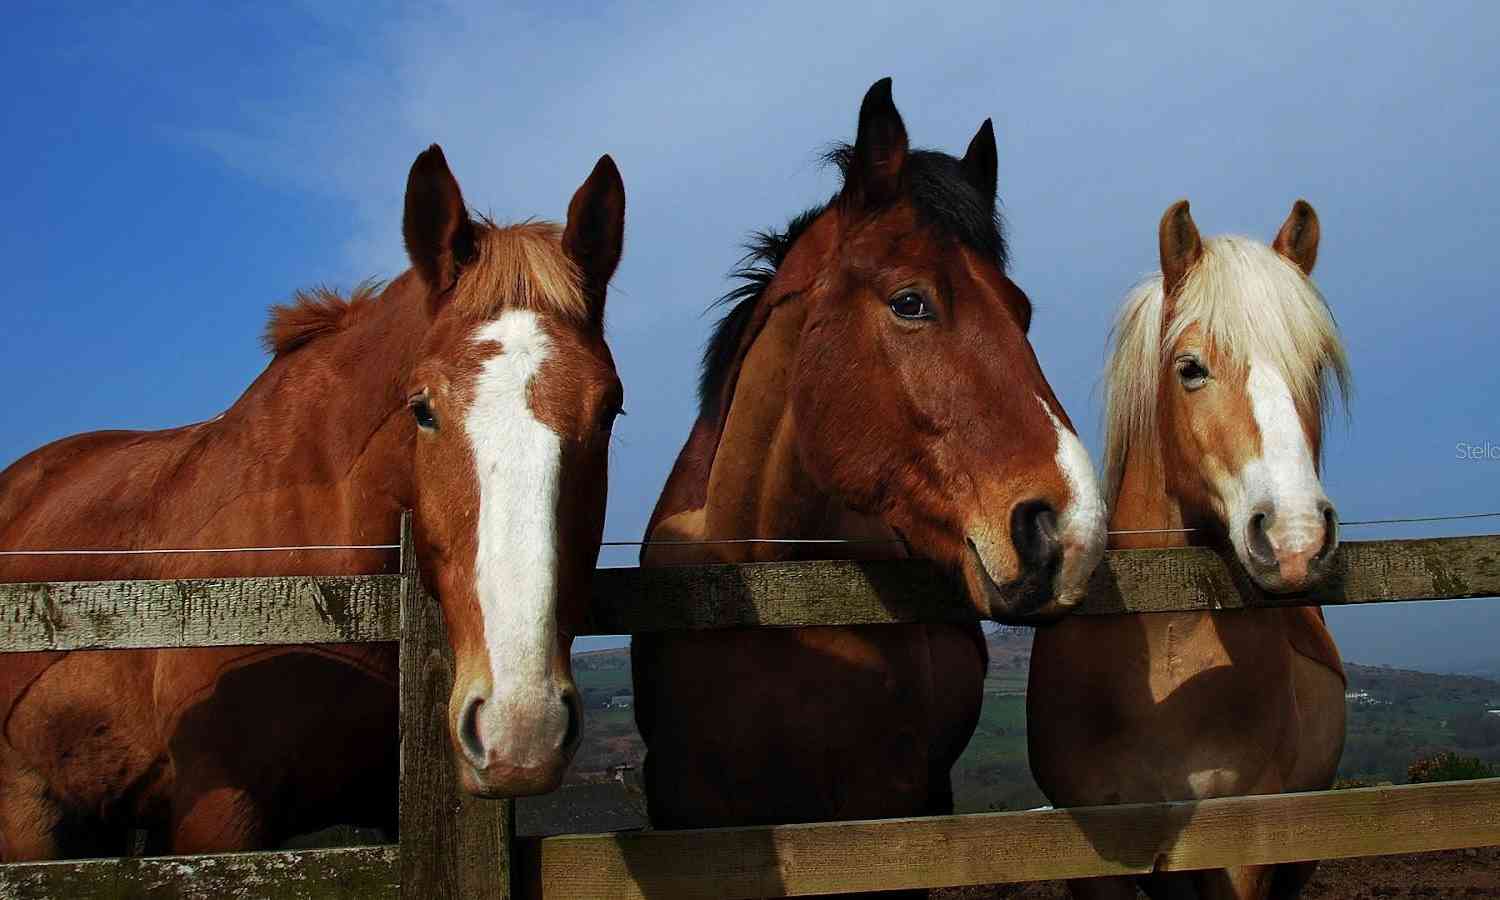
point(135, 551)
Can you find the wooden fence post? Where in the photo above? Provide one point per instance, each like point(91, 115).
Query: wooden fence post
point(453, 846)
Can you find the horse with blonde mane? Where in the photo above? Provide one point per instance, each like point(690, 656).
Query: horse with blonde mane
point(873, 382)
point(1217, 389)
point(476, 390)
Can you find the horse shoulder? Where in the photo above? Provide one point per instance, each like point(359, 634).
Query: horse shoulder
point(1308, 635)
point(83, 491)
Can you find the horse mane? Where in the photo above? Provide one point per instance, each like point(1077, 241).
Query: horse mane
point(764, 253)
point(520, 266)
point(1250, 302)
point(314, 312)
point(944, 201)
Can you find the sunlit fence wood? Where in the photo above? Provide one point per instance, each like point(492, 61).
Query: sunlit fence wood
point(991, 848)
point(454, 846)
point(233, 611)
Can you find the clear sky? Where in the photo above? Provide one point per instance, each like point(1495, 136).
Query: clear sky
point(173, 169)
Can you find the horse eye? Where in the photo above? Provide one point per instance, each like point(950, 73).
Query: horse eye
point(1192, 373)
point(911, 305)
point(421, 410)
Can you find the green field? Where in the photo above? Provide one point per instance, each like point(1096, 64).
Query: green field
point(993, 774)
point(1417, 714)
point(1408, 715)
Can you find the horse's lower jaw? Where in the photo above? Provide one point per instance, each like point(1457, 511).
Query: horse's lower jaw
point(1025, 600)
point(1285, 577)
point(1274, 582)
point(499, 781)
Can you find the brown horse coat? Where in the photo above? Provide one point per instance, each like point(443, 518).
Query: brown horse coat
point(103, 733)
point(874, 382)
point(371, 405)
point(1183, 706)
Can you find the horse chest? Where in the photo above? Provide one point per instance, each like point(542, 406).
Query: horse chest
point(813, 724)
point(86, 725)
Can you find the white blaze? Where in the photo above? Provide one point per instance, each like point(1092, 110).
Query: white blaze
point(1285, 475)
point(518, 462)
point(1082, 523)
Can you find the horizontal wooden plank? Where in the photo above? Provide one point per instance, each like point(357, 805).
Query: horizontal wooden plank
point(794, 860)
point(634, 601)
point(215, 612)
point(199, 613)
point(352, 872)
point(1452, 568)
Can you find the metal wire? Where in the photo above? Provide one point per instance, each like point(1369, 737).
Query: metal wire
point(1488, 515)
point(753, 541)
point(1361, 523)
point(1357, 524)
point(138, 552)
point(291, 549)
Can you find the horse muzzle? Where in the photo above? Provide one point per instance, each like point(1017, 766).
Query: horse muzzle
point(1050, 558)
point(517, 746)
point(1289, 551)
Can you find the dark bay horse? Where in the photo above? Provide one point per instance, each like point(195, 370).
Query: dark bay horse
point(477, 390)
point(873, 381)
point(1218, 384)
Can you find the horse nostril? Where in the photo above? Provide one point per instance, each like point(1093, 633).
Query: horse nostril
point(1257, 541)
point(1033, 531)
point(468, 732)
point(1330, 532)
point(575, 720)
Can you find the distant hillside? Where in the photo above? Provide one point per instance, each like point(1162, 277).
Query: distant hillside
point(1484, 667)
point(1395, 715)
point(1408, 684)
point(602, 660)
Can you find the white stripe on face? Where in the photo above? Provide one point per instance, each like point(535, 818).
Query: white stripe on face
point(518, 462)
point(1285, 475)
point(1081, 523)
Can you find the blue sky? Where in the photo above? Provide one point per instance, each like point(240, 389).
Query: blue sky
point(175, 169)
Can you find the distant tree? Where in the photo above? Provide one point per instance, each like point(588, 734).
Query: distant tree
point(1448, 766)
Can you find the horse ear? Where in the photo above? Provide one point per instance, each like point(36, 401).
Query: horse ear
point(1181, 246)
point(595, 233)
point(436, 227)
point(981, 162)
point(1298, 238)
point(880, 146)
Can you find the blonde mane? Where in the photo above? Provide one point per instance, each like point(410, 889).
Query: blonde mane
point(1251, 303)
point(519, 266)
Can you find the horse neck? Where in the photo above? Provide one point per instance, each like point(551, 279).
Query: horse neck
point(1143, 504)
point(1257, 645)
point(754, 483)
point(332, 411)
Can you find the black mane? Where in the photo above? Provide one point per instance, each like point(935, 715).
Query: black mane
point(764, 253)
point(944, 200)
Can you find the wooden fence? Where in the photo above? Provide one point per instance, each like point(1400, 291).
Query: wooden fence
point(454, 846)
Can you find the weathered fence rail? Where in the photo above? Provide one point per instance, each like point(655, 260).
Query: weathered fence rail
point(455, 846)
point(993, 848)
point(363, 872)
point(232, 611)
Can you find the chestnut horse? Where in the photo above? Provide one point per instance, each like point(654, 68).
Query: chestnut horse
point(1217, 386)
point(476, 390)
point(873, 382)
